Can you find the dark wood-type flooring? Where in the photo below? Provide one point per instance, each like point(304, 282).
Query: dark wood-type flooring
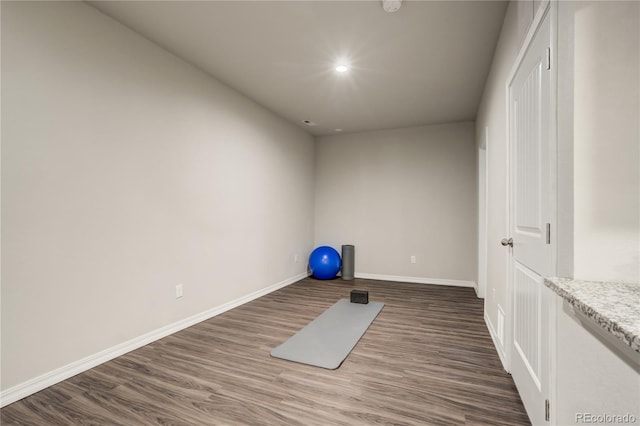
point(427, 359)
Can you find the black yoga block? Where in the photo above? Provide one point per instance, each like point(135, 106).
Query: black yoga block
point(359, 296)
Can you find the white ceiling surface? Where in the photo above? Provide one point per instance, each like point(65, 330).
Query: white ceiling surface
point(424, 64)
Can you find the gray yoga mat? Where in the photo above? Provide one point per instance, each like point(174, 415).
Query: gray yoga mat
point(327, 340)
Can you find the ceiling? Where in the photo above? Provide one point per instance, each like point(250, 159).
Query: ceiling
point(424, 64)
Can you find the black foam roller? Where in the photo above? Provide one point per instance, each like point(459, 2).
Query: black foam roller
point(348, 261)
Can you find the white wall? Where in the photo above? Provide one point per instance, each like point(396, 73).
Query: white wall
point(595, 372)
point(126, 171)
point(601, 103)
point(401, 193)
point(599, 197)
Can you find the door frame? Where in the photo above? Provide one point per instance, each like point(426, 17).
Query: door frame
point(551, 8)
point(483, 203)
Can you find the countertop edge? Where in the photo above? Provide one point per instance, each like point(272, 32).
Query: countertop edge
point(611, 326)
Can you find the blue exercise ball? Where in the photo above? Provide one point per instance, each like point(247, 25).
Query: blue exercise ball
point(324, 262)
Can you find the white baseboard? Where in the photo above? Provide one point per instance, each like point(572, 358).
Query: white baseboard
point(43, 381)
point(499, 348)
point(418, 280)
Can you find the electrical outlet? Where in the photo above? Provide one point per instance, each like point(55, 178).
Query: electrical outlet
point(296, 258)
point(494, 294)
point(178, 291)
point(412, 259)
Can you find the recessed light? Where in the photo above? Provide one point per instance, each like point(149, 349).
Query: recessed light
point(391, 5)
point(338, 130)
point(342, 68)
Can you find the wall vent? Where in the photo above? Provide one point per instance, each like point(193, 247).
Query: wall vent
point(500, 325)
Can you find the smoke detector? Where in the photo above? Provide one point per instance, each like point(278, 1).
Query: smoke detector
point(309, 123)
point(391, 5)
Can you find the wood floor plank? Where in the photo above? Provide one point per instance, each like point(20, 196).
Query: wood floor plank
point(427, 359)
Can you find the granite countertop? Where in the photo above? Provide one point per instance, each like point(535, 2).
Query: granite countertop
point(612, 305)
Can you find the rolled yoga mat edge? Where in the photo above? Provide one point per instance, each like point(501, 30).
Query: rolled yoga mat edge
point(327, 340)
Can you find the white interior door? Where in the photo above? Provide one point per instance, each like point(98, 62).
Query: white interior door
point(530, 216)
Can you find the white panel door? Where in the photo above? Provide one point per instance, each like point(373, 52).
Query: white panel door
point(530, 212)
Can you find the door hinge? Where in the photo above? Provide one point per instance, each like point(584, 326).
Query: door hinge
point(548, 233)
point(546, 409)
point(548, 58)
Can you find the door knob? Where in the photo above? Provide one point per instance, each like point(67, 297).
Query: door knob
point(507, 242)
